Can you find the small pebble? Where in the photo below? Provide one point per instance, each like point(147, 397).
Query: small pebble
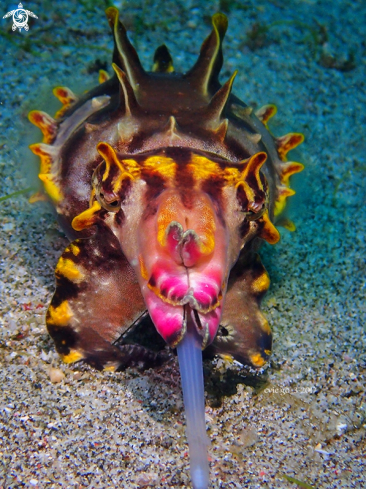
point(56, 375)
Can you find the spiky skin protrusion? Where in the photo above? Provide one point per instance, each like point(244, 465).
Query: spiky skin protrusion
point(174, 182)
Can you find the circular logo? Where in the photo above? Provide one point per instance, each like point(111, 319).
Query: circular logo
point(20, 19)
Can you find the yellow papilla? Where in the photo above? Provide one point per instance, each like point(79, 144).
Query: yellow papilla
point(46, 160)
point(266, 112)
point(288, 169)
point(269, 231)
point(86, 218)
point(51, 187)
point(45, 123)
point(253, 166)
point(280, 203)
point(37, 197)
point(110, 157)
point(286, 223)
point(118, 181)
point(103, 76)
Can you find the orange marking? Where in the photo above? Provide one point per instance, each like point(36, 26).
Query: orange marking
point(283, 194)
point(266, 112)
point(143, 269)
point(261, 283)
point(51, 186)
point(65, 95)
point(69, 269)
point(287, 142)
point(268, 231)
point(205, 227)
point(257, 359)
point(288, 169)
point(166, 167)
point(103, 76)
point(169, 211)
point(45, 156)
point(37, 197)
point(73, 356)
point(287, 224)
point(59, 316)
point(45, 123)
point(87, 218)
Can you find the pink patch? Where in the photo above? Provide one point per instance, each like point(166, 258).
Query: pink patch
point(191, 252)
point(173, 288)
point(206, 285)
point(206, 294)
point(174, 236)
point(212, 320)
point(170, 281)
point(168, 319)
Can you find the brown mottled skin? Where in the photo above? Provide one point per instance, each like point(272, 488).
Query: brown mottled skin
point(129, 159)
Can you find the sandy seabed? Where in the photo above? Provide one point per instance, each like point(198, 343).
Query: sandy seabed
point(304, 418)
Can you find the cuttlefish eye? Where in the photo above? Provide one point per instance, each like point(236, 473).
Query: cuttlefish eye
point(253, 203)
point(109, 201)
point(108, 194)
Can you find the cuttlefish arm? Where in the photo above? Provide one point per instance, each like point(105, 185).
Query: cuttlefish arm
point(97, 299)
point(244, 334)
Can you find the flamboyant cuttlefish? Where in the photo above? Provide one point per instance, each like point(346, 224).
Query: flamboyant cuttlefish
point(167, 183)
